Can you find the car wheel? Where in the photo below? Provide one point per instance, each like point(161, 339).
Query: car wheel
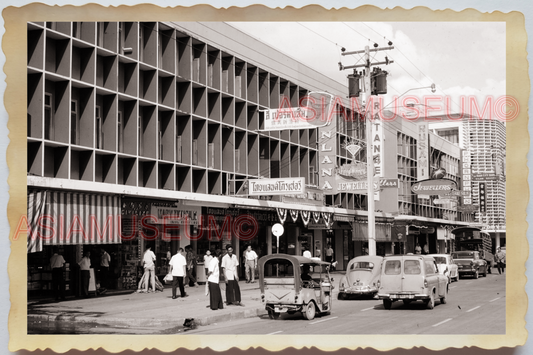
point(341, 296)
point(406, 302)
point(309, 311)
point(444, 298)
point(387, 304)
point(273, 315)
point(431, 301)
point(476, 275)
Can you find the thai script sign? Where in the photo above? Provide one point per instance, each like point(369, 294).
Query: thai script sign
point(282, 186)
point(313, 111)
point(466, 172)
point(422, 147)
point(434, 187)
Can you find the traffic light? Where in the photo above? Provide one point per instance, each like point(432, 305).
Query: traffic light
point(482, 197)
point(354, 84)
point(378, 81)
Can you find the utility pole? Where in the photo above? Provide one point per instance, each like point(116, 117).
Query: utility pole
point(370, 87)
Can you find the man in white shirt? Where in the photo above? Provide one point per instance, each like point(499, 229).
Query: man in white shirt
point(213, 279)
point(229, 270)
point(105, 259)
point(250, 257)
point(85, 267)
point(58, 282)
point(149, 268)
point(178, 264)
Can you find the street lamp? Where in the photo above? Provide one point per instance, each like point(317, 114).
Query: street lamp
point(432, 87)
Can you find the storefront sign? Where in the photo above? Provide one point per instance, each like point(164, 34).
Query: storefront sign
point(377, 151)
point(313, 112)
point(176, 215)
point(485, 177)
point(422, 147)
point(355, 170)
point(434, 187)
point(311, 197)
point(466, 174)
point(457, 193)
point(360, 187)
point(282, 186)
point(468, 208)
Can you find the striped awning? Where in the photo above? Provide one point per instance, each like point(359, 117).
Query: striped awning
point(69, 218)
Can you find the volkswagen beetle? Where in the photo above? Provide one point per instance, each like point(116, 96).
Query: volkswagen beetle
point(361, 278)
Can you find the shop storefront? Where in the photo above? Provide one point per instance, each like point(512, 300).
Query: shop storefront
point(71, 223)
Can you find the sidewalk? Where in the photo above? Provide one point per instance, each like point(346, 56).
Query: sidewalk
point(154, 310)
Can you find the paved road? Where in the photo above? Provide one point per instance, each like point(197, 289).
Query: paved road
point(474, 307)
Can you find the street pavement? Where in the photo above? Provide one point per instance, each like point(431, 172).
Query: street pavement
point(139, 312)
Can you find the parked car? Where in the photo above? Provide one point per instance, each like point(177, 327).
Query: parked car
point(410, 278)
point(291, 284)
point(447, 266)
point(361, 278)
point(470, 263)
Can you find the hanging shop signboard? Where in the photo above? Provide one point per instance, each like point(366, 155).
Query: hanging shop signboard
point(434, 187)
point(281, 186)
point(313, 112)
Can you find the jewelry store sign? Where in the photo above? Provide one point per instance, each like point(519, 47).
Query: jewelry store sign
point(282, 186)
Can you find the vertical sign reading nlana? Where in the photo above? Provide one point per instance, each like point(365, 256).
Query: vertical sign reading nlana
point(327, 144)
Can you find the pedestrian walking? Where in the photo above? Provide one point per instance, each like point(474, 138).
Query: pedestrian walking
point(85, 267)
point(329, 255)
point(213, 279)
point(178, 265)
point(500, 260)
point(190, 278)
point(250, 257)
point(105, 260)
point(57, 263)
point(149, 268)
point(229, 270)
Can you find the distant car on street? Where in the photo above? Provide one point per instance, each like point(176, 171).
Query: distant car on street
point(410, 278)
point(361, 278)
point(470, 263)
point(447, 266)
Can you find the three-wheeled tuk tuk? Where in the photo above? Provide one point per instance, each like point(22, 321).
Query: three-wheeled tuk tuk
point(291, 284)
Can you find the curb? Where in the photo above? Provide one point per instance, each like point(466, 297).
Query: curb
point(160, 323)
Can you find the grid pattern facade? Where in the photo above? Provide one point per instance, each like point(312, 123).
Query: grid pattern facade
point(144, 104)
point(485, 139)
point(410, 203)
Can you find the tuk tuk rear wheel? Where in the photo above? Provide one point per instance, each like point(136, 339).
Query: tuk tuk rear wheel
point(387, 304)
point(273, 315)
point(309, 311)
point(341, 296)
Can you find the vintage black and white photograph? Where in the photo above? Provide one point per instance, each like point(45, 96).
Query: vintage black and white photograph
point(214, 178)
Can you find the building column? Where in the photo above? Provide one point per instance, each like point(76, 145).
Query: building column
point(497, 240)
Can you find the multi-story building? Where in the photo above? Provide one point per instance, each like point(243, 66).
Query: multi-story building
point(484, 140)
point(149, 133)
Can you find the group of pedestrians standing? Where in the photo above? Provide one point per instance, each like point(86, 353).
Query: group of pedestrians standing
point(227, 271)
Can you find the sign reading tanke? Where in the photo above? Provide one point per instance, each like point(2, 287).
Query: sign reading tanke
point(283, 186)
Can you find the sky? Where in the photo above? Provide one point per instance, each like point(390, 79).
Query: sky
point(460, 58)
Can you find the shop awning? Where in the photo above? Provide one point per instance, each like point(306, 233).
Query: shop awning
point(69, 218)
point(383, 231)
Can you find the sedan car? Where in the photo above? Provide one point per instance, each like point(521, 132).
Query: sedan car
point(362, 275)
point(410, 278)
point(470, 263)
point(447, 266)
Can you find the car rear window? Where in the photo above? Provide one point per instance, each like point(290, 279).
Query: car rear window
point(440, 259)
point(411, 267)
point(392, 267)
point(362, 265)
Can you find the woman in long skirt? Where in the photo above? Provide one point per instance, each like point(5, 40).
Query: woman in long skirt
point(215, 296)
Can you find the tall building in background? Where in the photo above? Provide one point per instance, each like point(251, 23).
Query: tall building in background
point(485, 140)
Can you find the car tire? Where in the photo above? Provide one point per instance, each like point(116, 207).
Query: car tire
point(444, 298)
point(309, 311)
point(273, 315)
point(476, 275)
point(387, 303)
point(431, 301)
point(341, 296)
point(406, 302)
